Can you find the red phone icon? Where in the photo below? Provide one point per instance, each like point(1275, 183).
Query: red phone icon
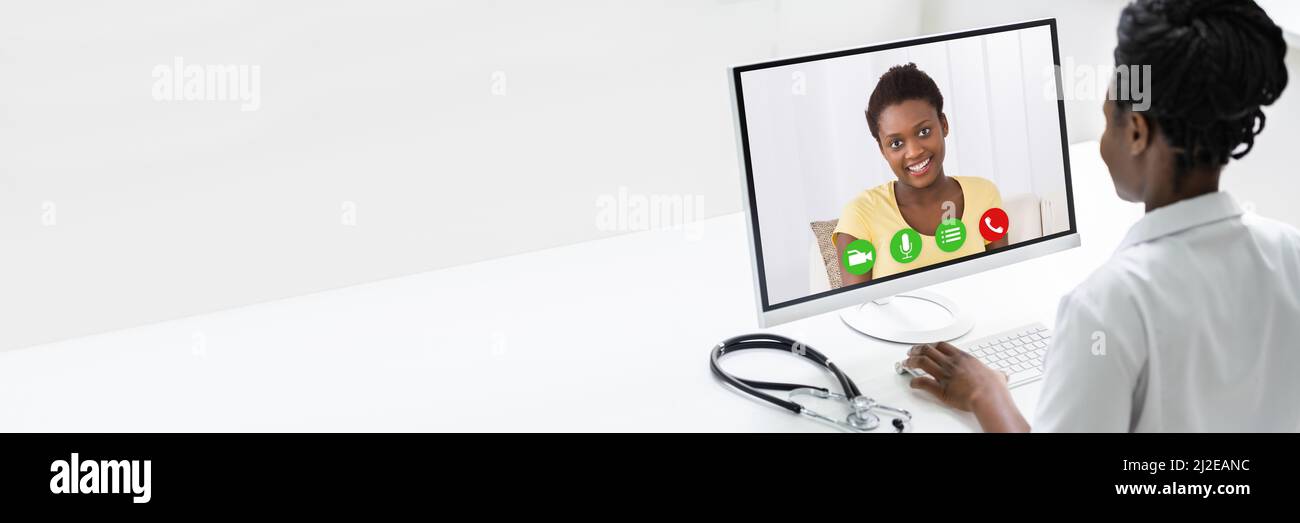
point(993, 225)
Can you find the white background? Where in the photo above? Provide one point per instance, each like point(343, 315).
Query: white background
point(812, 151)
point(168, 210)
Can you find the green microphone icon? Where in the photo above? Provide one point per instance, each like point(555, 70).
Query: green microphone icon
point(906, 245)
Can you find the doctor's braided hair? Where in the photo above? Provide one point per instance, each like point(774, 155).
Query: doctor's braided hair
point(1214, 63)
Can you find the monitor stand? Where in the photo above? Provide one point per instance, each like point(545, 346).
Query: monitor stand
point(912, 317)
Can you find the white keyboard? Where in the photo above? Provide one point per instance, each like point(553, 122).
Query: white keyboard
point(1018, 352)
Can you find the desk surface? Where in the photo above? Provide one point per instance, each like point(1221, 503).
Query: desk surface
point(608, 335)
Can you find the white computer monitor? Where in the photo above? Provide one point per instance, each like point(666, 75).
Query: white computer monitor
point(815, 175)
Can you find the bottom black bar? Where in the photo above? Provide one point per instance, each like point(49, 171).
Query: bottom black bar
point(324, 471)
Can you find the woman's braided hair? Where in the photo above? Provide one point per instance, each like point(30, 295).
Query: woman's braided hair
point(1214, 63)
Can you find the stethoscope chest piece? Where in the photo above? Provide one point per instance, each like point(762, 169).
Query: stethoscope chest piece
point(861, 418)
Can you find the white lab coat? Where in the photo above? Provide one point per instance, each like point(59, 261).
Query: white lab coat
point(1192, 326)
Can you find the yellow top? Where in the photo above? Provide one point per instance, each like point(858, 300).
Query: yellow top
point(874, 216)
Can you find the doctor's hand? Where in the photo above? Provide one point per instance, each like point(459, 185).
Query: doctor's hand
point(962, 382)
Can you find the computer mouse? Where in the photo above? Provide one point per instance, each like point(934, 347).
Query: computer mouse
point(902, 369)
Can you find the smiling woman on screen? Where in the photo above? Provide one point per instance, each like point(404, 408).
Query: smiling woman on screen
point(905, 116)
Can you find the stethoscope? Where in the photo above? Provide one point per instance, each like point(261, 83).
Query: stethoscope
point(863, 417)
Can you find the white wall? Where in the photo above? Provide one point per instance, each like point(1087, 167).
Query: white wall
point(812, 151)
point(166, 210)
point(1086, 31)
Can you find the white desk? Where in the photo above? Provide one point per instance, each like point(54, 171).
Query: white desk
point(609, 335)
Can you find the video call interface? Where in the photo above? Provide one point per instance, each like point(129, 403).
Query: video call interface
point(880, 164)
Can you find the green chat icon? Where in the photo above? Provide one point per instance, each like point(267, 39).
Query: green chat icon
point(950, 235)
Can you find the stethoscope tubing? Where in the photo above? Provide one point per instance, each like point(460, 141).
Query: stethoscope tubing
point(776, 342)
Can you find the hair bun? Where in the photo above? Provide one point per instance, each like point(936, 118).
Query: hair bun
point(1214, 63)
point(1183, 12)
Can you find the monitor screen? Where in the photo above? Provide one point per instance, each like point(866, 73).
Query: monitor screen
point(875, 164)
